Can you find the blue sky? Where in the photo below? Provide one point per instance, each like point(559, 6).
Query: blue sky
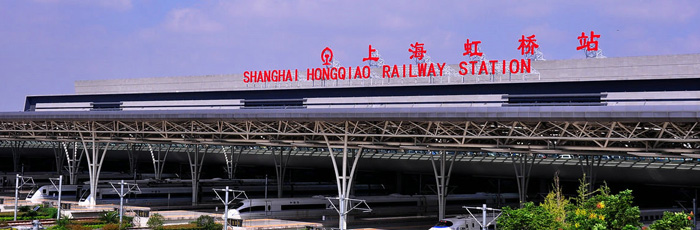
point(45, 45)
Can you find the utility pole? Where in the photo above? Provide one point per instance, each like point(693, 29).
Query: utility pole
point(236, 195)
point(20, 181)
point(483, 208)
point(346, 206)
point(60, 183)
point(130, 188)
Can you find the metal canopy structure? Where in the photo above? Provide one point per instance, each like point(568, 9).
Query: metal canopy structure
point(670, 131)
point(569, 130)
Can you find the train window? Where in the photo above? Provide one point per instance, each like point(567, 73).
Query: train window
point(444, 223)
point(43, 191)
point(393, 204)
point(304, 206)
point(253, 209)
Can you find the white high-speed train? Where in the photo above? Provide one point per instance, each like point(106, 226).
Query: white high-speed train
point(456, 223)
point(176, 191)
point(391, 205)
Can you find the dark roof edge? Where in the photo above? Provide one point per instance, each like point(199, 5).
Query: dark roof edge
point(677, 113)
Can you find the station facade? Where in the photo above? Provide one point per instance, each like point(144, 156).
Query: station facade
point(637, 115)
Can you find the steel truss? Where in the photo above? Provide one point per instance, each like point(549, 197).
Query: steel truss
point(94, 158)
point(442, 174)
point(17, 148)
point(132, 152)
point(588, 165)
point(73, 158)
point(522, 163)
point(231, 159)
point(158, 159)
point(523, 140)
point(58, 156)
point(281, 162)
point(195, 155)
point(594, 138)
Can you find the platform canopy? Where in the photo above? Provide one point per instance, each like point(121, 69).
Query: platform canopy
point(671, 130)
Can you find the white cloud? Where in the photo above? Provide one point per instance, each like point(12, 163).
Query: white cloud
point(191, 21)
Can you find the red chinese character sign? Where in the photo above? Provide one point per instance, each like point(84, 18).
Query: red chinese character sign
point(424, 67)
point(417, 51)
point(472, 48)
point(589, 44)
point(528, 45)
point(369, 56)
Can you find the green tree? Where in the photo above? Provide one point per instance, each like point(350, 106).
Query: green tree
point(529, 217)
point(618, 209)
point(673, 221)
point(156, 221)
point(556, 203)
point(602, 209)
point(207, 223)
point(581, 218)
point(110, 217)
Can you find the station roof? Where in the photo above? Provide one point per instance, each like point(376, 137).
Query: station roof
point(648, 113)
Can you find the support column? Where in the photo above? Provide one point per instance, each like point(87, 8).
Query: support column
point(17, 148)
point(133, 158)
point(73, 161)
point(94, 158)
point(522, 163)
point(58, 156)
point(343, 180)
point(196, 159)
point(588, 164)
point(158, 159)
point(281, 168)
point(231, 160)
point(442, 179)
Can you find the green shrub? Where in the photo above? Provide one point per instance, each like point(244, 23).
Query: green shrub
point(94, 226)
point(52, 212)
point(155, 221)
point(597, 210)
point(529, 217)
point(673, 221)
point(110, 217)
point(30, 213)
point(207, 222)
point(19, 217)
